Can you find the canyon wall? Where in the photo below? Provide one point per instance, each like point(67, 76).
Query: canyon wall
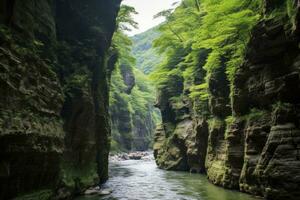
point(133, 116)
point(132, 111)
point(54, 123)
point(249, 140)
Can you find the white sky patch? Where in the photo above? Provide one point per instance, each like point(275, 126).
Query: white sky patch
point(147, 9)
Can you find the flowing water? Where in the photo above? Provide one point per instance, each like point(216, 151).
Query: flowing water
point(142, 180)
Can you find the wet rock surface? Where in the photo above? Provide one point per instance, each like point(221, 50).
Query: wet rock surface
point(97, 191)
point(138, 155)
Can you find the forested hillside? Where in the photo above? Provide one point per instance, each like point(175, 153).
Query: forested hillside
point(147, 58)
point(133, 115)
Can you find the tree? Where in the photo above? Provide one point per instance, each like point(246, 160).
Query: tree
point(125, 21)
point(167, 14)
point(200, 36)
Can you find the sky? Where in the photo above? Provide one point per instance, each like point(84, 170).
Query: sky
point(147, 9)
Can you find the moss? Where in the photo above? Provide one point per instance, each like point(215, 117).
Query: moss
point(38, 195)
point(215, 123)
point(255, 114)
point(5, 33)
point(229, 121)
point(114, 146)
point(169, 128)
point(74, 177)
point(284, 113)
point(177, 102)
point(292, 10)
point(282, 106)
point(285, 11)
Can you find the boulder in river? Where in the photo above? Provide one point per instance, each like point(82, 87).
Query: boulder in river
point(138, 155)
point(135, 156)
point(97, 191)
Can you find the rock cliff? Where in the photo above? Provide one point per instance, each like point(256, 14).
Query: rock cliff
point(250, 138)
point(132, 111)
point(54, 124)
point(133, 116)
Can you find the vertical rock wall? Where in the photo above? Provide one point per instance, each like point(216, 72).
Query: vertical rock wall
point(54, 124)
point(250, 140)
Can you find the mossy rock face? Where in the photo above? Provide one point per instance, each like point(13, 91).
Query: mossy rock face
point(185, 149)
point(85, 109)
point(38, 195)
point(264, 95)
point(253, 122)
point(54, 80)
point(216, 151)
point(75, 180)
point(219, 88)
point(31, 133)
point(169, 152)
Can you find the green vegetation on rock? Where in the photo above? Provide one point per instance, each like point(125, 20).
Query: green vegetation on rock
point(225, 65)
point(146, 56)
point(38, 195)
point(54, 84)
point(132, 101)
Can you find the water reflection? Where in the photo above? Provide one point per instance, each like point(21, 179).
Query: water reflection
point(142, 180)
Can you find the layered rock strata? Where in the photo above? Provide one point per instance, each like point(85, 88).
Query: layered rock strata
point(250, 140)
point(54, 123)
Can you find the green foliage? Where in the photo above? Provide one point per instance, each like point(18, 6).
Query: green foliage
point(215, 123)
point(177, 102)
point(213, 35)
point(229, 120)
point(225, 31)
point(122, 43)
point(141, 95)
point(169, 69)
point(129, 107)
point(285, 11)
point(291, 7)
point(15, 41)
point(255, 114)
point(114, 146)
point(125, 18)
point(79, 80)
point(38, 195)
point(146, 57)
point(199, 91)
point(72, 175)
point(282, 106)
point(5, 33)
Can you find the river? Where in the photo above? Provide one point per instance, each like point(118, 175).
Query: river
point(142, 180)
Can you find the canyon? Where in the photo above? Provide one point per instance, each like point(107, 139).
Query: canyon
point(227, 81)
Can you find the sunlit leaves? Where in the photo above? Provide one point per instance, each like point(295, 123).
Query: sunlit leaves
point(221, 28)
point(125, 21)
point(226, 30)
point(128, 105)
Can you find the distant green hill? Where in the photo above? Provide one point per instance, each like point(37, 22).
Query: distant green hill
point(146, 56)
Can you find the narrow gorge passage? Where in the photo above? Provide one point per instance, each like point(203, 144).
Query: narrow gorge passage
point(149, 99)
